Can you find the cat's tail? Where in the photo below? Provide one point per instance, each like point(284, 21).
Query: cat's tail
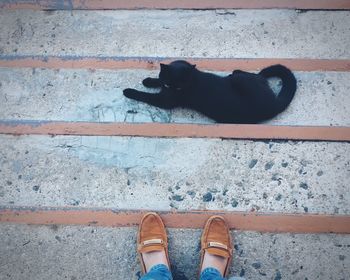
point(289, 84)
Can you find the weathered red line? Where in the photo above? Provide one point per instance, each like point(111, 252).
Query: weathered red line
point(216, 64)
point(228, 131)
point(176, 4)
point(262, 222)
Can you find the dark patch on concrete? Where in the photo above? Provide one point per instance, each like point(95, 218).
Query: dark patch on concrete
point(58, 238)
point(131, 111)
point(303, 186)
point(320, 173)
point(36, 188)
point(301, 171)
point(242, 272)
point(75, 202)
point(278, 197)
point(269, 165)
point(192, 194)
point(275, 177)
point(234, 203)
point(256, 265)
point(9, 183)
point(284, 164)
point(252, 163)
point(342, 257)
point(172, 205)
point(207, 197)
point(177, 197)
point(278, 275)
point(265, 195)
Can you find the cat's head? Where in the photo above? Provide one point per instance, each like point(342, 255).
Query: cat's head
point(177, 75)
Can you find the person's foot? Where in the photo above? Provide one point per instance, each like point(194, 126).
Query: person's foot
point(152, 242)
point(216, 245)
point(218, 262)
point(154, 258)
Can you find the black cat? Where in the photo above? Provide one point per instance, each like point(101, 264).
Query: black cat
point(240, 97)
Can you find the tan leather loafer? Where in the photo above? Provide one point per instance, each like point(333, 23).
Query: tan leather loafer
point(151, 237)
point(216, 240)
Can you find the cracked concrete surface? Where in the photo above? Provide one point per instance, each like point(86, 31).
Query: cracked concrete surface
point(68, 252)
point(146, 173)
point(81, 95)
point(177, 33)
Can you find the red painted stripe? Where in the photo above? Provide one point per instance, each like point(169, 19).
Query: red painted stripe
point(215, 64)
point(262, 222)
point(176, 4)
point(229, 131)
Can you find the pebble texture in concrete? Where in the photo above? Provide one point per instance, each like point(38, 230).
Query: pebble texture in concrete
point(149, 173)
point(322, 98)
point(220, 33)
point(66, 252)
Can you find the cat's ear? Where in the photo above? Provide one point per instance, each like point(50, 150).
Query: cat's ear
point(163, 66)
point(194, 66)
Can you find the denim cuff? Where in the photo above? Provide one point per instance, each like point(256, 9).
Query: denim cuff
point(158, 267)
point(210, 273)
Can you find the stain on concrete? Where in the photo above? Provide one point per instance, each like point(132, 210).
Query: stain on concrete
point(269, 165)
point(304, 186)
point(252, 163)
point(234, 203)
point(208, 197)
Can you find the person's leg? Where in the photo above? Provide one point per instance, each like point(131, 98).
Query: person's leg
point(211, 273)
point(152, 247)
point(216, 252)
point(158, 272)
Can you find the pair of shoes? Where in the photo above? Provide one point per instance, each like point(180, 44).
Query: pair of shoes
point(215, 240)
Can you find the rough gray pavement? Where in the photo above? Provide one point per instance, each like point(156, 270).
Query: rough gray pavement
point(177, 33)
point(163, 174)
point(322, 98)
point(69, 252)
point(166, 174)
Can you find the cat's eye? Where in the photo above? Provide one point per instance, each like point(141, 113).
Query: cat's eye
point(167, 86)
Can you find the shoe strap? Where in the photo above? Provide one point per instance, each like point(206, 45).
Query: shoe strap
point(150, 245)
point(218, 249)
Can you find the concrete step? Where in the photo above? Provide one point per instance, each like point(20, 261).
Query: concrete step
point(184, 174)
point(82, 95)
point(115, 173)
point(77, 252)
point(179, 33)
point(167, 4)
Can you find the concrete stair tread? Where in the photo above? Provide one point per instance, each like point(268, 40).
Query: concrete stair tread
point(101, 177)
point(77, 252)
point(83, 95)
point(184, 174)
point(216, 33)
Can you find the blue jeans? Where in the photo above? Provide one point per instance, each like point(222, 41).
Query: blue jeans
point(161, 272)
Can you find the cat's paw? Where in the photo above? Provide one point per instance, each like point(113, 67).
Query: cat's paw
point(151, 82)
point(147, 82)
point(129, 92)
